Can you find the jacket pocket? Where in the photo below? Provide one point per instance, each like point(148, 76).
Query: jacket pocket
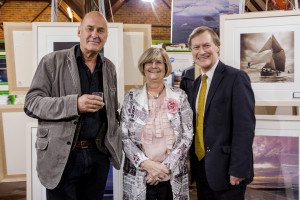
point(41, 144)
point(42, 132)
point(226, 149)
point(42, 139)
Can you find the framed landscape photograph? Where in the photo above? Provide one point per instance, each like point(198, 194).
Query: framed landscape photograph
point(276, 160)
point(265, 45)
point(276, 165)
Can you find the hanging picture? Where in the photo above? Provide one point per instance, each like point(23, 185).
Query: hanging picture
point(265, 45)
point(276, 168)
point(268, 57)
point(189, 14)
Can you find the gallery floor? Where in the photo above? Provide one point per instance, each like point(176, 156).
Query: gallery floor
point(13, 190)
point(17, 191)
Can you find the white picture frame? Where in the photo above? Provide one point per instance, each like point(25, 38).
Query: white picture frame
point(34, 189)
point(233, 26)
point(137, 39)
point(18, 43)
point(12, 146)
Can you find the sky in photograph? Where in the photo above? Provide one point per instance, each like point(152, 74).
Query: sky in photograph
point(276, 159)
point(189, 14)
point(251, 44)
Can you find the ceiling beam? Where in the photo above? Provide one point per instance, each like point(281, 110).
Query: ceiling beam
point(251, 7)
point(76, 7)
point(116, 6)
point(41, 12)
point(2, 3)
point(63, 8)
point(166, 4)
point(261, 3)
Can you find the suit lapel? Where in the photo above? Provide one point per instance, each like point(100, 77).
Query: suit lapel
point(141, 98)
point(218, 76)
point(196, 90)
point(72, 65)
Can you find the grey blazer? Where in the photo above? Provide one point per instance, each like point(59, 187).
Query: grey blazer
point(52, 99)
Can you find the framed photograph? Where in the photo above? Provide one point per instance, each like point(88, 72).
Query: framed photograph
point(282, 5)
point(12, 145)
point(188, 15)
point(265, 45)
point(276, 160)
point(276, 165)
point(137, 39)
point(3, 72)
point(3, 68)
point(18, 49)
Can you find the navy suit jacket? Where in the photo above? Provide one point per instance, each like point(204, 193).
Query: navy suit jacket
point(228, 127)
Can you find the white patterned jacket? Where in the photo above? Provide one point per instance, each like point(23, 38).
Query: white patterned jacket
point(134, 117)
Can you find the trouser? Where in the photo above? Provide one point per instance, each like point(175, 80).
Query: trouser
point(84, 177)
point(204, 192)
point(161, 191)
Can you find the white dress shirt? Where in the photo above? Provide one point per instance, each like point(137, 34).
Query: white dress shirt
point(209, 75)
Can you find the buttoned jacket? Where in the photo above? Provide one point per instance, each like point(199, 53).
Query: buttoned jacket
point(228, 128)
point(52, 99)
point(134, 118)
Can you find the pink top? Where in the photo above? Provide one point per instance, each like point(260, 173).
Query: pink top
point(157, 135)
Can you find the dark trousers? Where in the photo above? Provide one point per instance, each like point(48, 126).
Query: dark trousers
point(84, 177)
point(161, 191)
point(204, 192)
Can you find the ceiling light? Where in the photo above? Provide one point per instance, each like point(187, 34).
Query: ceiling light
point(70, 13)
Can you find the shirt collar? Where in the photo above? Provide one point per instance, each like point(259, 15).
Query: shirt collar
point(78, 55)
point(211, 72)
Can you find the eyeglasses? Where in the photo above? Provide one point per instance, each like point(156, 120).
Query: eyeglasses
point(157, 63)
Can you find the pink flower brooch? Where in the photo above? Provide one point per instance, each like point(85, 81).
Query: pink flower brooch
point(172, 106)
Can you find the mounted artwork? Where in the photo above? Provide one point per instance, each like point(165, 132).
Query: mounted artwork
point(276, 166)
point(276, 159)
point(267, 59)
point(189, 14)
point(18, 43)
point(265, 45)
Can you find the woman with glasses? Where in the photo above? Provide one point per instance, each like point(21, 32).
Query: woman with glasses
point(157, 133)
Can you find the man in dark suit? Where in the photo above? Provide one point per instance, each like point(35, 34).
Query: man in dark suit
point(224, 123)
point(186, 83)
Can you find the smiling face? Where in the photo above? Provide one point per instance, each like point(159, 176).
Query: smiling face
point(155, 70)
point(205, 51)
point(92, 33)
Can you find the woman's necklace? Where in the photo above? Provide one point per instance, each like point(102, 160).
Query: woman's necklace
point(156, 97)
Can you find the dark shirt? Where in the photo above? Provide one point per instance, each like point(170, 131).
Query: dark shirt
point(90, 82)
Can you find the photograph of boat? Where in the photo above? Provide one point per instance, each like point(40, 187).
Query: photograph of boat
point(276, 168)
point(275, 58)
point(268, 57)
